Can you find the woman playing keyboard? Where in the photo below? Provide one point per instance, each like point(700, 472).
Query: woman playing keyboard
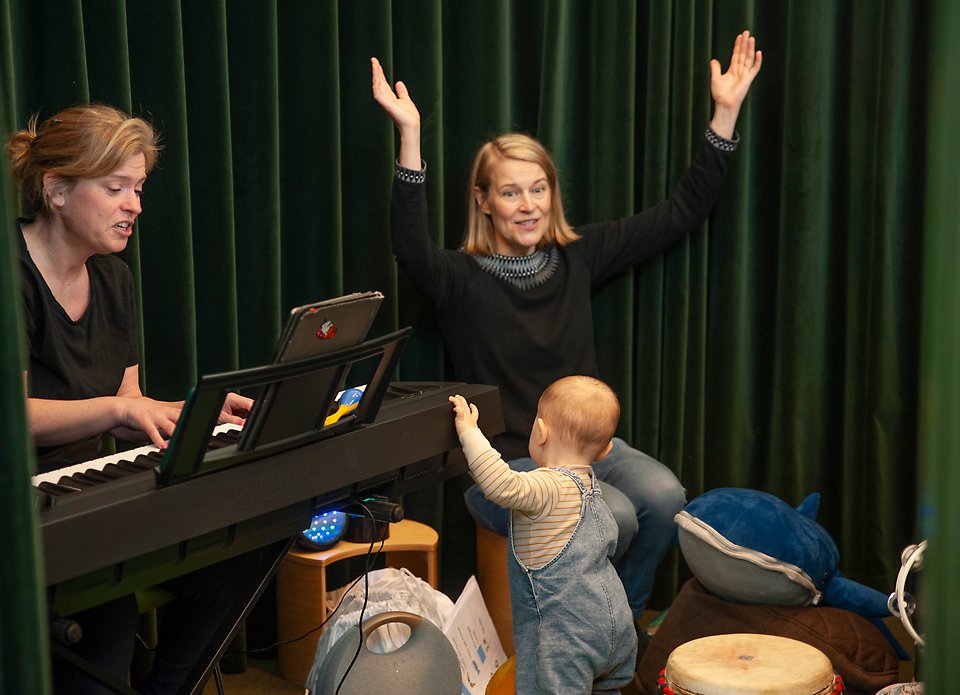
point(82, 173)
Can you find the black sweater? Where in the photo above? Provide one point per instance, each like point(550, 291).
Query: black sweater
point(523, 340)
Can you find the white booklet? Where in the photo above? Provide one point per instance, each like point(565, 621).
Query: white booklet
point(475, 640)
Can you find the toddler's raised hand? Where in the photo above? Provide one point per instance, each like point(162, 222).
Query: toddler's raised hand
point(466, 414)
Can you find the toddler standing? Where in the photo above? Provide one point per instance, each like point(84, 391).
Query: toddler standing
point(572, 626)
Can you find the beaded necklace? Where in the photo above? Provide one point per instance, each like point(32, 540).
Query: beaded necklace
point(525, 272)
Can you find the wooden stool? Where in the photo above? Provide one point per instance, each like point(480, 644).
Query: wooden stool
point(492, 551)
point(302, 587)
point(504, 679)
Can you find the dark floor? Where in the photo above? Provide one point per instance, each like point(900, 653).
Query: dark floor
point(259, 678)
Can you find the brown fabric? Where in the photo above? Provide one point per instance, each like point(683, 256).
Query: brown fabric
point(857, 649)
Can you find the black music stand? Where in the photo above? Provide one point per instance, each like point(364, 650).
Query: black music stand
point(188, 456)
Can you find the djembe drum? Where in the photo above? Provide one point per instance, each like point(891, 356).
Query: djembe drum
point(747, 664)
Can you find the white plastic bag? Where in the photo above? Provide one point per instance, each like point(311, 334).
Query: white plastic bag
point(390, 589)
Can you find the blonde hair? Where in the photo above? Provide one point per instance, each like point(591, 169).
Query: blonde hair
point(582, 411)
point(80, 142)
point(480, 237)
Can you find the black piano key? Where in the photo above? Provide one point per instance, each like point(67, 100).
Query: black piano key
point(90, 477)
point(55, 490)
point(113, 470)
point(67, 482)
point(99, 475)
point(76, 480)
point(150, 460)
point(224, 439)
point(135, 466)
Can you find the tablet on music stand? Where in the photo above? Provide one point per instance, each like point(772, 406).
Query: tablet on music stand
point(299, 405)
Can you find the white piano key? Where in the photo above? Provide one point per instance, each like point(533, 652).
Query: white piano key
point(99, 464)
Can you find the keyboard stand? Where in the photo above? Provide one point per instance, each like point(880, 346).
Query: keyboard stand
point(253, 589)
point(58, 651)
point(207, 664)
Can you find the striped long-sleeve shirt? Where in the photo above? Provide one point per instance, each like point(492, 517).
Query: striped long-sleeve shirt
point(545, 503)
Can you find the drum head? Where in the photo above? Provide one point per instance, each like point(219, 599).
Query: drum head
point(748, 664)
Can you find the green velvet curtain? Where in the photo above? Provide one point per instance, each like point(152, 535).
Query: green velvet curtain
point(780, 347)
point(939, 518)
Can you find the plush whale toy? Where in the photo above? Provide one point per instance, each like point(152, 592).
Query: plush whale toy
point(749, 546)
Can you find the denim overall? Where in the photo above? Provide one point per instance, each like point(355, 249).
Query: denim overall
point(572, 627)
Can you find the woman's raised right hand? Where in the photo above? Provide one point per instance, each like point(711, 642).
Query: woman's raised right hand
point(398, 105)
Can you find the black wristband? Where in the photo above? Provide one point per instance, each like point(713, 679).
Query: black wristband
point(722, 143)
point(411, 175)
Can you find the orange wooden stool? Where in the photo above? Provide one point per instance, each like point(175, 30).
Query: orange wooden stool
point(492, 551)
point(503, 681)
